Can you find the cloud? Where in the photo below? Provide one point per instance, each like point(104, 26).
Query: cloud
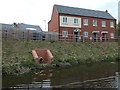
point(36, 11)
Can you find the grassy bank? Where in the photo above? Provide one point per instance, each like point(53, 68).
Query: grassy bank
point(17, 57)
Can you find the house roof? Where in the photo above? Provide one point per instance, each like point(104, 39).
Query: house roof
point(83, 12)
point(21, 26)
point(29, 27)
point(6, 26)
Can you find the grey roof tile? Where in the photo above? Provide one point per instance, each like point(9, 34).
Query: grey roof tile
point(21, 26)
point(83, 12)
point(7, 26)
point(28, 26)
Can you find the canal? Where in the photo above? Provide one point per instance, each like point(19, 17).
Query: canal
point(99, 75)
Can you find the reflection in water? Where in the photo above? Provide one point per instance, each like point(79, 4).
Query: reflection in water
point(34, 85)
point(97, 75)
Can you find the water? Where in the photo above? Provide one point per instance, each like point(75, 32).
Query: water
point(99, 75)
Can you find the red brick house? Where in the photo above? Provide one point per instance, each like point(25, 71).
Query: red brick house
point(74, 23)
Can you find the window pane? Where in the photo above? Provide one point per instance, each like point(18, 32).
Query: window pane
point(103, 24)
point(64, 19)
point(85, 34)
point(112, 35)
point(64, 33)
point(85, 22)
point(94, 22)
point(111, 24)
point(75, 21)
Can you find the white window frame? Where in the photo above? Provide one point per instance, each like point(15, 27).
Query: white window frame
point(64, 33)
point(103, 23)
point(111, 35)
point(75, 21)
point(85, 34)
point(112, 24)
point(65, 20)
point(94, 22)
point(85, 22)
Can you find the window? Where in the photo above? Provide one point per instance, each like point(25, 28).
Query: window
point(64, 33)
point(75, 21)
point(103, 23)
point(111, 24)
point(85, 34)
point(94, 22)
point(112, 35)
point(85, 22)
point(64, 19)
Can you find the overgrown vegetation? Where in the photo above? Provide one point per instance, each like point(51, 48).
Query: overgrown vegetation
point(17, 57)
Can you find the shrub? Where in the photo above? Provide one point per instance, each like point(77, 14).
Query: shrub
point(27, 63)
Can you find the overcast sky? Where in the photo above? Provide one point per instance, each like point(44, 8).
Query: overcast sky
point(36, 11)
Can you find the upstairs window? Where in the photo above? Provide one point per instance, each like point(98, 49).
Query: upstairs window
point(85, 22)
point(103, 23)
point(75, 21)
point(111, 24)
point(64, 19)
point(94, 22)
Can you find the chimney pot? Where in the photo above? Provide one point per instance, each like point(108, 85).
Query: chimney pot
point(106, 11)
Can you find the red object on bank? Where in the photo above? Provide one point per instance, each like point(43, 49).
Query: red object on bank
point(42, 56)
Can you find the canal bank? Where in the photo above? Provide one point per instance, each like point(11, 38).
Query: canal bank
point(17, 57)
point(99, 75)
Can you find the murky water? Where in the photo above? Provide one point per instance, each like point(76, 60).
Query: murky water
point(99, 75)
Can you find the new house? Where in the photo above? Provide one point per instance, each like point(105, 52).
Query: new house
point(72, 23)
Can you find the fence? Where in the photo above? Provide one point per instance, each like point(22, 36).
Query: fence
point(81, 38)
point(29, 35)
point(51, 36)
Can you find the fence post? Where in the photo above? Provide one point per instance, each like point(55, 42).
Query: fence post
point(117, 78)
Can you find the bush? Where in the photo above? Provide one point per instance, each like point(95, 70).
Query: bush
point(27, 63)
point(14, 69)
point(8, 69)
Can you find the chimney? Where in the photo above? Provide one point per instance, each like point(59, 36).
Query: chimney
point(106, 11)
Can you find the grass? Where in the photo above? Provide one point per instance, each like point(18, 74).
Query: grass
point(17, 56)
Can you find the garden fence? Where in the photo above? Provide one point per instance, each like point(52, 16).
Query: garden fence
point(51, 36)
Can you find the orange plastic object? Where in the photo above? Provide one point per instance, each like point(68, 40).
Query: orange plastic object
point(42, 56)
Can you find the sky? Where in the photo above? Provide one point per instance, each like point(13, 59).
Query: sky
point(38, 12)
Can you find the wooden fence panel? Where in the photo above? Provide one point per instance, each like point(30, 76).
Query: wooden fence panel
point(49, 36)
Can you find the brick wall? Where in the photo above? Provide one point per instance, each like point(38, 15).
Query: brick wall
point(53, 24)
